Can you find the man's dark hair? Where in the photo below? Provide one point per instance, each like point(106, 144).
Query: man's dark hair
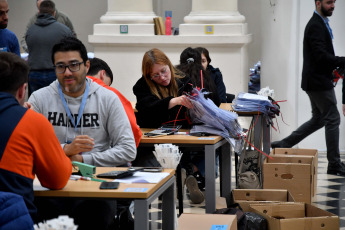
point(13, 72)
point(47, 7)
point(70, 44)
point(96, 65)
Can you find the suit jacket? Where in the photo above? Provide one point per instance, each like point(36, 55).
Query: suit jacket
point(319, 58)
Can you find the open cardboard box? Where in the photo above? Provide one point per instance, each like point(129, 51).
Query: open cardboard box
point(246, 197)
point(296, 216)
point(189, 221)
point(306, 152)
point(294, 170)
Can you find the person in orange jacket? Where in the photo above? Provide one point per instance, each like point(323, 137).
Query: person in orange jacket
point(101, 73)
point(28, 144)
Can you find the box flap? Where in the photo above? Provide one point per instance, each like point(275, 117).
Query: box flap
point(189, 221)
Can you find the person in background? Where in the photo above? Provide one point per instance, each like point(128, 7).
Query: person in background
point(28, 145)
point(40, 38)
point(91, 125)
point(159, 92)
point(194, 162)
point(190, 64)
point(59, 16)
point(215, 73)
point(317, 80)
point(160, 100)
point(8, 40)
point(101, 73)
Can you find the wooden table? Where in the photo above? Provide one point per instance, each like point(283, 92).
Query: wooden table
point(142, 200)
point(209, 144)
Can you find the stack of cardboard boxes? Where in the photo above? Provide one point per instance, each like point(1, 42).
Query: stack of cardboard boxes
point(289, 185)
point(296, 171)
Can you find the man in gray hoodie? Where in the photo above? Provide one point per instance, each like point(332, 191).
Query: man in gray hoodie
point(40, 38)
point(89, 120)
point(91, 125)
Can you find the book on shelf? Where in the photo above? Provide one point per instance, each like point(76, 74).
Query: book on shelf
point(159, 26)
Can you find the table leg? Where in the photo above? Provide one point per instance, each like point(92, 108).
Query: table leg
point(225, 172)
point(168, 207)
point(210, 178)
point(179, 189)
point(141, 215)
point(266, 139)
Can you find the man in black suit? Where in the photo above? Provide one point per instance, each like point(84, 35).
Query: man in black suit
point(317, 81)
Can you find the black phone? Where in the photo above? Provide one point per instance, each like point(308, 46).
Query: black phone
point(109, 185)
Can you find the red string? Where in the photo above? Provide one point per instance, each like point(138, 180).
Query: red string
point(258, 149)
point(175, 118)
point(257, 117)
point(202, 80)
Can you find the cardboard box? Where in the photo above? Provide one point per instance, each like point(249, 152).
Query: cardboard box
point(189, 221)
point(296, 216)
point(307, 152)
point(246, 197)
point(294, 170)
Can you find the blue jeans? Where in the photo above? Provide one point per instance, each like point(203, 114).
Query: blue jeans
point(40, 78)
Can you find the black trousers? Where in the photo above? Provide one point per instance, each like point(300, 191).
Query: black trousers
point(324, 114)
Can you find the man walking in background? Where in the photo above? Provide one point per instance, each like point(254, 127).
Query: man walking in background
point(317, 80)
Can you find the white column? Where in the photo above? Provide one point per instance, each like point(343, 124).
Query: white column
point(136, 14)
point(222, 15)
point(215, 11)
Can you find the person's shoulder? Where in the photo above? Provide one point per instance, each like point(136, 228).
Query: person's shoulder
point(61, 15)
point(103, 92)
point(141, 83)
point(212, 69)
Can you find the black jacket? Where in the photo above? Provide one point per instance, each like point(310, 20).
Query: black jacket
point(217, 77)
point(152, 111)
point(319, 58)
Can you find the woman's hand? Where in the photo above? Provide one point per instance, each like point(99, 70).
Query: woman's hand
point(181, 100)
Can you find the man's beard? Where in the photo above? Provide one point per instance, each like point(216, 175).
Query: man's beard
point(3, 26)
point(325, 12)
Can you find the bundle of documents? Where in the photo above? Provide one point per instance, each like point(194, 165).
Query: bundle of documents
point(215, 120)
point(168, 155)
point(248, 102)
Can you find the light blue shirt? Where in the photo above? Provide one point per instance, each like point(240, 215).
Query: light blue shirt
point(326, 20)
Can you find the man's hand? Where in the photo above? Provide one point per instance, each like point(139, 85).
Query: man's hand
point(344, 109)
point(81, 143)
point(77, 157)
point(27, 105)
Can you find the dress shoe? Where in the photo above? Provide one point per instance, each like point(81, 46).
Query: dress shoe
point(336, 169)
point(196, 196)
point(280, 144)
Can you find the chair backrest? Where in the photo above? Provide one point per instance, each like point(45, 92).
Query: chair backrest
point(229, 97)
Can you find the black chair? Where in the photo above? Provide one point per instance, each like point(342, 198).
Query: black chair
point(230, 97)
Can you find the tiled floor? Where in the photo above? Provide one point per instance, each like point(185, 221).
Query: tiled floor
point(330, 196)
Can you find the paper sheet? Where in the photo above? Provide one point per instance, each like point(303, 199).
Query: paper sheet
point(143, 177)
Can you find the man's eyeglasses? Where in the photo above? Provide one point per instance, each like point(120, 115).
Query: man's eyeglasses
point(73, 67)
point(162, 73)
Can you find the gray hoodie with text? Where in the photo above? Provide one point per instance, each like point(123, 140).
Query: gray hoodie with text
point(104, 119)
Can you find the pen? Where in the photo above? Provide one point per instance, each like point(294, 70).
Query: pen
point(77, 177)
